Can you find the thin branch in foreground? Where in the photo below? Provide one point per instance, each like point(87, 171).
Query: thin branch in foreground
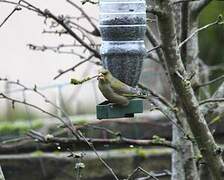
point(219, 21)
point(17, 8)
point(73, 68)
point(153, 49)
point(48, 14)
point(25, 5)
point(161, 98)
point(90, 144)
point(157, 175)
point(153, 58)
point(89, 1)
point(149, 174)
point(78, 82)
point(183, 1)
point(69, 125)
point(58, 49)
point(154, 41)
point(211, 82)
point(96, 30)
point(173, 122)
point(50, 138)
point(36, 91)
point(219, 100)
point(92, 141)
point(119, 140)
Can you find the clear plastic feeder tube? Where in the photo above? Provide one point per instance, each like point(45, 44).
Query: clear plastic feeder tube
point(122, 27)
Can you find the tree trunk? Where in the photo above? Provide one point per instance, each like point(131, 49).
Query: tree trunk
point(185, 158)
point(183, 88)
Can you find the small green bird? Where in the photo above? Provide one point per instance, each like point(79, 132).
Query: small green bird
point(116, 91)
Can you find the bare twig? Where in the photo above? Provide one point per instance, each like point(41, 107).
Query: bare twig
point(47, 13)
point(212, 100)
point(78, 82)
point(23, 4)
point(183, 1)
point(96, 30)
point(219, 21)
point(149, 174)
point(90, 144)
point(79, 27)
point(67, 124)
point(13, 101)
point(211, 82)
point(153, 49)
point(119, 140)
point(73, 68)
point(158, 96)
point(157, 175)
point(90, 1)
point(36, 91)
point(155, 42)
point(153, 58)
point(17, 8)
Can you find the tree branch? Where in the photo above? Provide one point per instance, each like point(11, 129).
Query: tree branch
point(122, 141)
point(96, 30)
point(47, 13)
point(199, 6)
point(67, 124)
point(219, 100)
point(211, 82)
point(74, 67)
point(209, 110)
point(219, 21)
point(17, 8)
point(183, 88)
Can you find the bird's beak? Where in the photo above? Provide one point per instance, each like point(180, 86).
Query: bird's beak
point(100, 76)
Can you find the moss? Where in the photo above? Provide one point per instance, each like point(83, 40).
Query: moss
point(146, 152)
point(15, 114)
point(81, 122)
point(158, 140)
point(37, 153)
point(141, 152)
point(56, 152)
point(198, 157)
point(18, 127)
point(78, 82)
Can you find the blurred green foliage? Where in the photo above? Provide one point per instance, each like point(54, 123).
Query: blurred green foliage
point(211, 40)
point(19, 127)
point(15, 114)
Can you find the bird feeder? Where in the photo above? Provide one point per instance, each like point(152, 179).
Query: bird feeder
point(122, 27)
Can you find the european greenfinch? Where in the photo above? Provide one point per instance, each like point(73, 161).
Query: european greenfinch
point(115, 91)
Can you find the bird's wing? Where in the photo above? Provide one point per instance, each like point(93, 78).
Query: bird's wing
point(111, 95)
point(122, 88)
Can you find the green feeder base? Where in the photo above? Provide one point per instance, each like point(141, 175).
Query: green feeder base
point(107, 110)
